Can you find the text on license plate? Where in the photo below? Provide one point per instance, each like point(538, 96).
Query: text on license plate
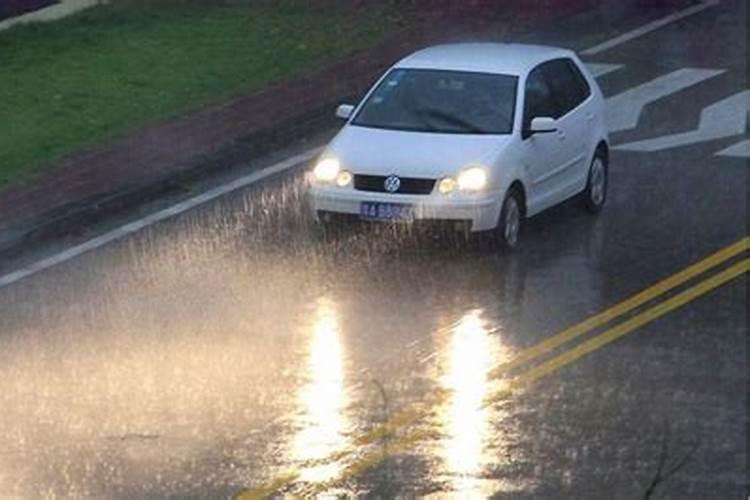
point(386, 211)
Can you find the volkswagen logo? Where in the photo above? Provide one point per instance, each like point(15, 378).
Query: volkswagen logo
point(392, 183)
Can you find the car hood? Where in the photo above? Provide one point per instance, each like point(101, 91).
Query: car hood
point(373, 151)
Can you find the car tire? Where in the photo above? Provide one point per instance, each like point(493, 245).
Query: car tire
point(507, 233)
point(595, 195)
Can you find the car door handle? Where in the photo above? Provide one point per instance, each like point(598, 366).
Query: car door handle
point(561, 135)
point(589, 116)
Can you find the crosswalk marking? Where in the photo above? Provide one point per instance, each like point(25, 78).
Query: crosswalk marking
point(624, 109)
point(739, 150)
point(601, 69)
point(725, 118)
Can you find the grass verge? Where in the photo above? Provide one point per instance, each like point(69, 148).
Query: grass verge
point(73, 83)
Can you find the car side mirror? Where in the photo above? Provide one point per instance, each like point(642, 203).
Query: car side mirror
point(344, 111)
point(543, 125)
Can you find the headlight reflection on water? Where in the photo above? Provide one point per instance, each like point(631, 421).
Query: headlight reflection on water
point(323, 400)
point(471, 354)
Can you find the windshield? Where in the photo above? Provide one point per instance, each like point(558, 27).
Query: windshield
point(441, 101)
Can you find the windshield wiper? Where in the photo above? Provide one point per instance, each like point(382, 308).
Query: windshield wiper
point(452, 119)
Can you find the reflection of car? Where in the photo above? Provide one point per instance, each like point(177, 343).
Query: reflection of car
point(475, 134)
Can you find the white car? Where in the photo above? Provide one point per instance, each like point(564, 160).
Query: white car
point(481, 134)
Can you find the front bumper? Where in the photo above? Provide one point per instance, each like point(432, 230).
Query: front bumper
point(482, 210)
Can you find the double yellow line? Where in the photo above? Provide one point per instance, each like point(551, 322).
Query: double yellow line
point(657, 291)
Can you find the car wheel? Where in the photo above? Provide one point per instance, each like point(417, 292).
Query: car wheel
point(595, 194)
point(509, 225)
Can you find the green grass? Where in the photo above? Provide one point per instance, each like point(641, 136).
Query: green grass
point(68, 85)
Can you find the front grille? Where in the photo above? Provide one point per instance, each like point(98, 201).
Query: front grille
point(409, 185)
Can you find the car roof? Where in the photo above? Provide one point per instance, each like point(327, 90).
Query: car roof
point(504, 58)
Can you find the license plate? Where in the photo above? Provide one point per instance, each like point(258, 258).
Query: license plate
point(386, 211)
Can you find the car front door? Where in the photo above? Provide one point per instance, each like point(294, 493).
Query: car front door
point(571, 93)
point(545, 155)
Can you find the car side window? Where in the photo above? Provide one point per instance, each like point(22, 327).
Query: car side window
point(568, 85)
point(539, 100)
point(582, 85)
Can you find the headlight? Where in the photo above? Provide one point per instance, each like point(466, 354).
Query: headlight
point(472, 179)
point(447, 185)
point(344, 178)
point(326, 170)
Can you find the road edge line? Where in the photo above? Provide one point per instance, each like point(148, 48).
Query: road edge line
point(159, 216)
point(648, 28)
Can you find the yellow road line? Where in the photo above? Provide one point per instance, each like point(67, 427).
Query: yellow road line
point(623, 307)
point(551, 366)
point(413, 414)
point(400, 420)
point(609, 336)
point(270, 488)
point(410, 415)
point(368, 460)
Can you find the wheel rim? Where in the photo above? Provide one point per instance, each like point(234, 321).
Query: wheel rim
point(598, 182)
point(512, 221)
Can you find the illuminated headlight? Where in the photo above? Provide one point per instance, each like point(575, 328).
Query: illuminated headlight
point(327, 170)
point(472, 179)
point(344, 178)
point(447, 185)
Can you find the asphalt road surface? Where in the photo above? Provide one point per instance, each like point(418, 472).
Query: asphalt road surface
point(228, 351)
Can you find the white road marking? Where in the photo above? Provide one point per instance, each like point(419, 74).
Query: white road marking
point(149, 220)
point(601, 69)
point(648, 28)
point(51, 13)
point(739, 150)
point(624, 110)
point(725, 118)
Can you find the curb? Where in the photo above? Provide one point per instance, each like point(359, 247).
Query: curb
point(68, 219)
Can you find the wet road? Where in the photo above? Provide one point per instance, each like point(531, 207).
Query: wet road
point(228, 350)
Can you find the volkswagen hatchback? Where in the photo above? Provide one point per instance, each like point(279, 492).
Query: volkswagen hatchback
point(479, 135)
